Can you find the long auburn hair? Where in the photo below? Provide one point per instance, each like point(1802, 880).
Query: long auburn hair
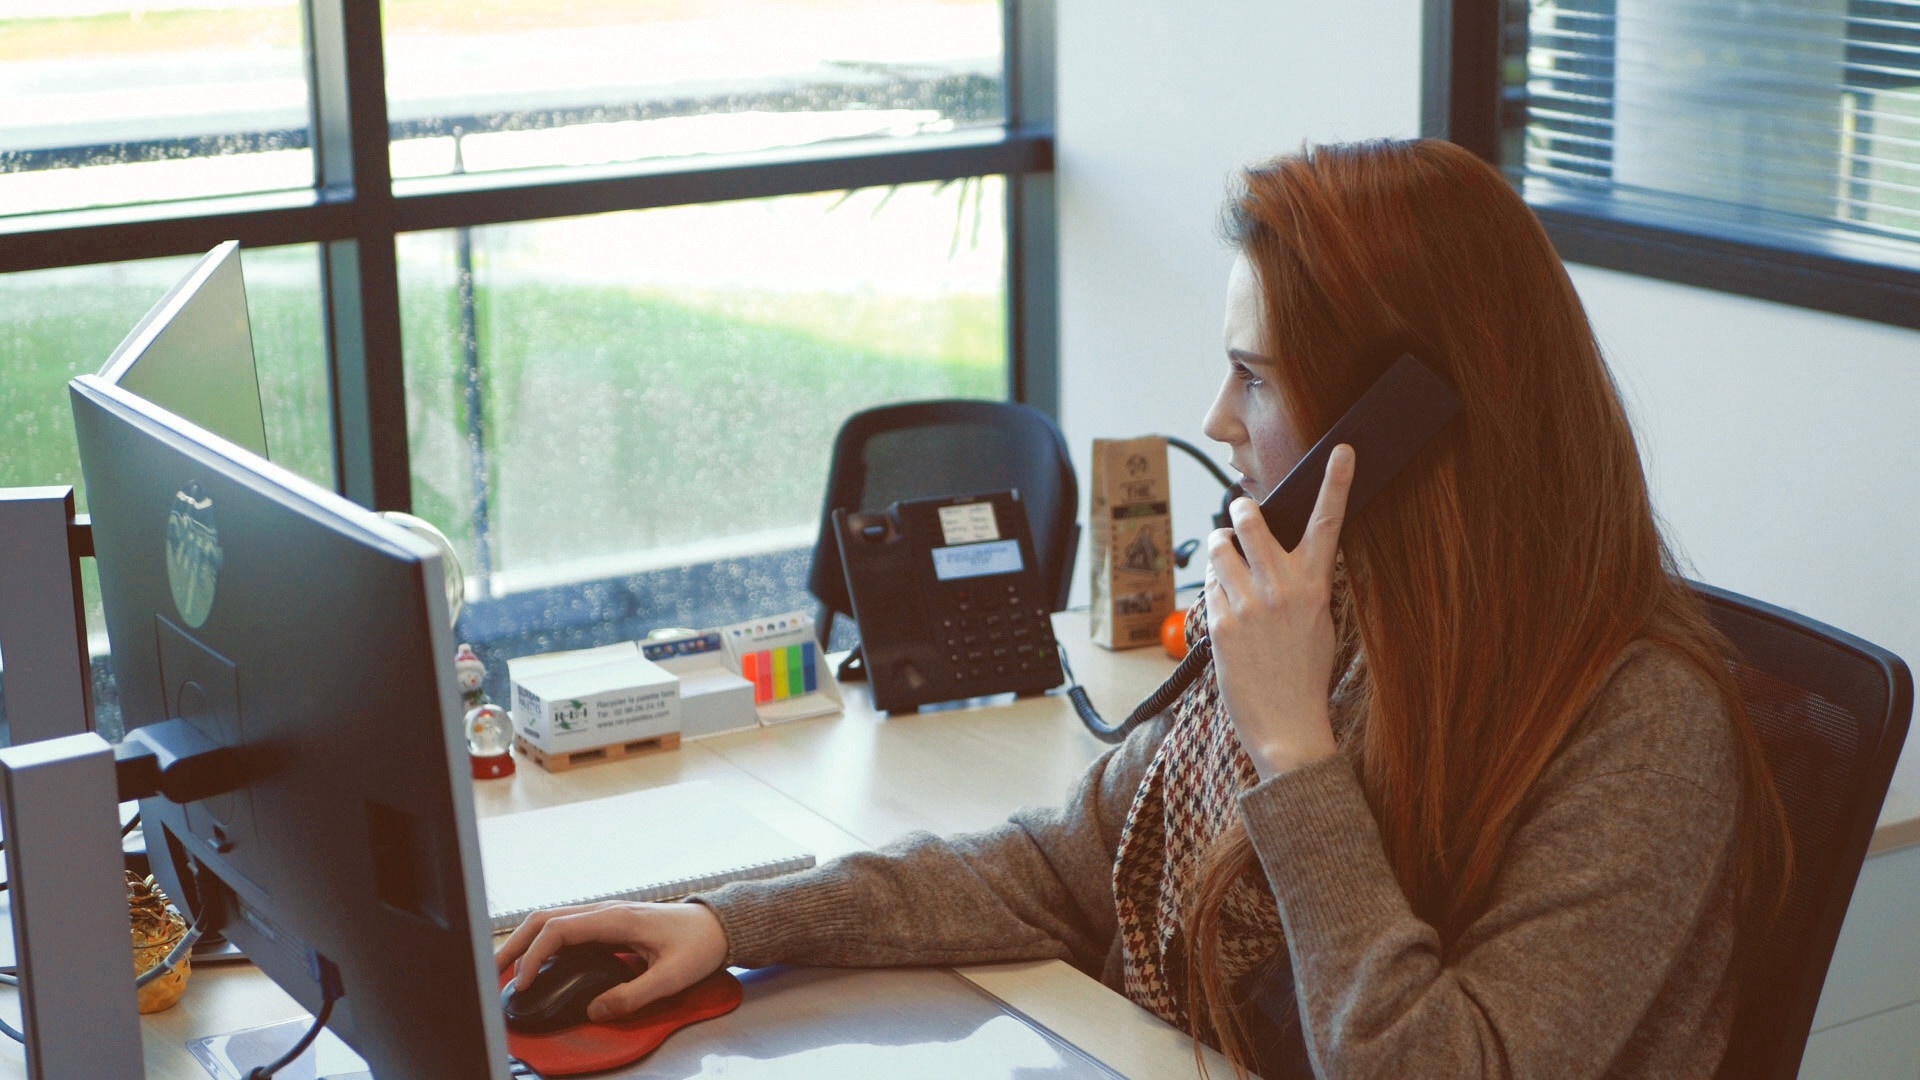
point(1493, 584)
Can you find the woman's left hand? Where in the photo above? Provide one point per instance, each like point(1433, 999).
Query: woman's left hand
point(1270, 617)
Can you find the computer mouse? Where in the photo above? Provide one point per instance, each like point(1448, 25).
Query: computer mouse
point(564, 986)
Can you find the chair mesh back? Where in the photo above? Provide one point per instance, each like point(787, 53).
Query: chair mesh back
point(917, 450)
point(951, 459)
point(1819, 709)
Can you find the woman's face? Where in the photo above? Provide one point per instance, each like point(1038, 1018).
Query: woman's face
point(1249, 414)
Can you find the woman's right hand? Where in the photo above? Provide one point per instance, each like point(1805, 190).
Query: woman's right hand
point(681, 943)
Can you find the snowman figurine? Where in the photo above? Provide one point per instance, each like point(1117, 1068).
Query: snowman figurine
point(488, 727)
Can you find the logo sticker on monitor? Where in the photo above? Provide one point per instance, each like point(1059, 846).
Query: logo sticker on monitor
point(193, 553)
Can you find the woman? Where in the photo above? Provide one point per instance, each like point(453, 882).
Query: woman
point(1467, 791)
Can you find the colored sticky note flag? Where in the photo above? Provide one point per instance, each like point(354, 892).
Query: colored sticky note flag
point(778, 674)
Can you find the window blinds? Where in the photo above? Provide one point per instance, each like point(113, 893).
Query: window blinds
point(1763, 114)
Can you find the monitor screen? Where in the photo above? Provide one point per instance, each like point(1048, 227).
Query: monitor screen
point(283, 620)
point(192, 354)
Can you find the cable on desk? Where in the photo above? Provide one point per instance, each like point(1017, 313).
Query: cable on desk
point(185, 946)
point(1156, 703)
point(11, 977)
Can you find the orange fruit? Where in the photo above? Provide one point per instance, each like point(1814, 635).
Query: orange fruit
point(1173, 635)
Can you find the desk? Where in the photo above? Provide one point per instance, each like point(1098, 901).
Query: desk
point(837, 784)
point(859, 780)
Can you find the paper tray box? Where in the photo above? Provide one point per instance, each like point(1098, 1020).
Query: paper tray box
point(563, 702)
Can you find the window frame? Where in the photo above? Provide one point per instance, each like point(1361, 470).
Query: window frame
point(354, 217)
point(1461, 102)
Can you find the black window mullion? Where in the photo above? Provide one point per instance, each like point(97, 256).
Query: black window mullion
point(78, 238)
point(1033, 317)
point(1460, 87)
point(485, 199)
point(120, 234)
point(359, 275)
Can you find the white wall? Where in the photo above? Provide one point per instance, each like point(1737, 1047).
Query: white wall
point(1159, 104)
point(1782, 448)
point(1782, 444)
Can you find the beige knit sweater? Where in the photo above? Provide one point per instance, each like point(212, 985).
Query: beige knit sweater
point(1604, 952)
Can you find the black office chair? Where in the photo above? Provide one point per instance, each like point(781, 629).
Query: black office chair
point(1831, 711)
point(923, 449)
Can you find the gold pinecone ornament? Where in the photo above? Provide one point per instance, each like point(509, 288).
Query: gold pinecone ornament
point(157, 928)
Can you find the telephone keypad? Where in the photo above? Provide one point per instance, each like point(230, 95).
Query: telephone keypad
point(996, 632)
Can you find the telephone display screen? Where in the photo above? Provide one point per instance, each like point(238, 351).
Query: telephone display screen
point(977, 560)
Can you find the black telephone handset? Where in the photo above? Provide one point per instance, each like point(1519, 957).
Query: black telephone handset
point(1404, 409)
point(1399, 415)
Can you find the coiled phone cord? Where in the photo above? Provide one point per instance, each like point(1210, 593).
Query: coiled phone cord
point(1156, 703)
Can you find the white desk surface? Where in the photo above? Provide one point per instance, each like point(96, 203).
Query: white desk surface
point(837, 784)
point(845, 783)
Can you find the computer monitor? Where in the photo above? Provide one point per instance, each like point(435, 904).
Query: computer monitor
point(283, 620)
point(192, 354)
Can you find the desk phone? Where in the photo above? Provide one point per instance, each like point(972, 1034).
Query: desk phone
point(949, 598)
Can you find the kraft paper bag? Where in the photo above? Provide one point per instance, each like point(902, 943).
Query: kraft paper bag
point(1132, 542)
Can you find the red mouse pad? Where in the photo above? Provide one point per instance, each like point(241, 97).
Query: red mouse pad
point(594, 1047)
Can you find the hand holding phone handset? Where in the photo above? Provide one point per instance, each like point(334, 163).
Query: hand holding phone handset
point(1404, 409)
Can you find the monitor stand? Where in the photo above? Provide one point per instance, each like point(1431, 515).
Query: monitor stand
point(67, 888)
point(58, 799)
point(43, 629)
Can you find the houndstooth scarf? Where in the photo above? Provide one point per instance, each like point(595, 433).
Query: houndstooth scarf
point(1186, 798)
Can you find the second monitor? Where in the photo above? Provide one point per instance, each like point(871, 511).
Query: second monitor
point(280, 619)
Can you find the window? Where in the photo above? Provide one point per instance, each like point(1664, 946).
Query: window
point(1767, 149)
point(59, 323)
point(110, 104)
point(589, 283)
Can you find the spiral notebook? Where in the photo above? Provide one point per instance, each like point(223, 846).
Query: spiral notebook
point(655, 844)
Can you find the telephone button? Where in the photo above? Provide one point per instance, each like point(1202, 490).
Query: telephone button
point(1016, 616)
point(999, 669)
point(977, 654)
point(952, 641)
point(1001, 653)
point(1025, 650)
point(1019, 632)
point(993, 621)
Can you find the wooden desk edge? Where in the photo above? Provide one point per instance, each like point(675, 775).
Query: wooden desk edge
point(1102, 1024)
point(1899, 821)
